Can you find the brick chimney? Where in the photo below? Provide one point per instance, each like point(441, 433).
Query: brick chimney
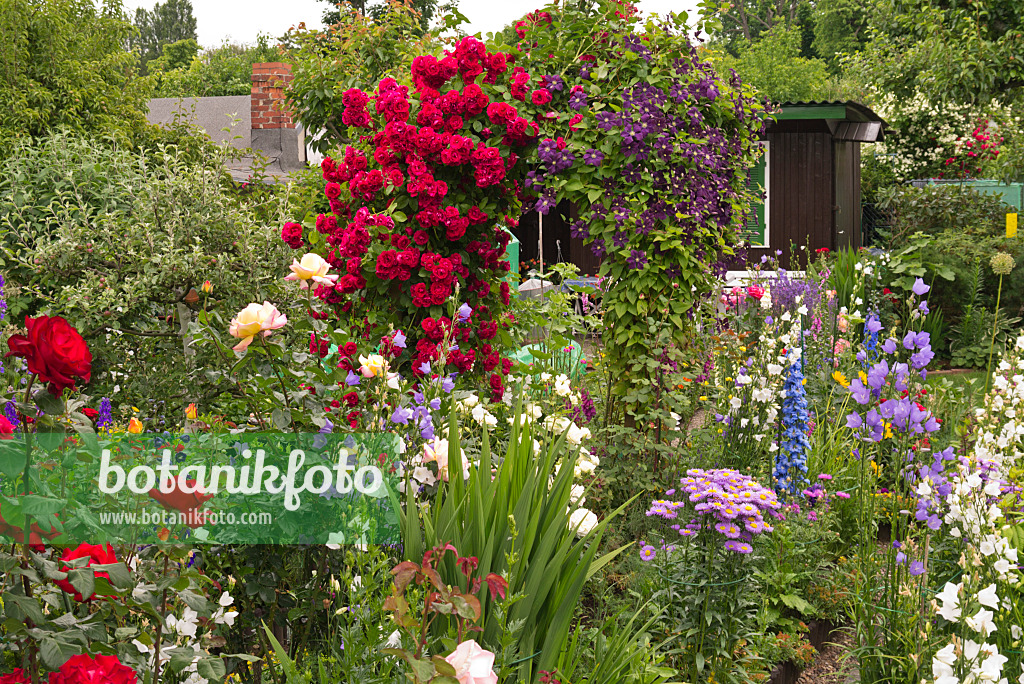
point(267, 106)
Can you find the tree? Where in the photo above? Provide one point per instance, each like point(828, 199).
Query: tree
point(745, 21)
point(63, 64)
point(840, 27)
point(223, 70)
point(168, 22)
point(773, 65)
point(379, 10)
point(947, 50)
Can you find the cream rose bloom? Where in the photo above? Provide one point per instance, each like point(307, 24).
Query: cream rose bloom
point(372, 365)
point(253, 320)
point(583, 521)
point(311, 267)
point(473, 665)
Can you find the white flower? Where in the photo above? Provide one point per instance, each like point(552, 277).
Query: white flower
point(982, 622)
point(576, 494)
point(394, 640)
point(950, 602)
point(562, 387)
point(736, 403)
point(186, 625)
point(802, 311)
point(423, 475)
point(988, 597)
point(225, 600)
point(484, 417)
point(583, 521)
point(774, 369)
point(470, 401)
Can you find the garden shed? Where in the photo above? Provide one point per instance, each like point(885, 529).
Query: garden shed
point(810, 172)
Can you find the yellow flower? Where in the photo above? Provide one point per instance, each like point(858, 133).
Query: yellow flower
point(863, 377)
point(372, 365)
point(134, 426)
point(804, 381)
point(703, 398)
point(253, 320)
point(191, 412)
point(207, 287)
point(840, 378)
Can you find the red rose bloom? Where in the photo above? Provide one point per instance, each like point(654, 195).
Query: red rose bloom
point(86, 669)
point(291, 233)
point(54, 351)
point(97, 555)
point(6, 429)
point(540, 97)
point(18, 676)
point(332, 190)
point(89, 413)
point(353, 419)
point(351, 399)
point(349, 349)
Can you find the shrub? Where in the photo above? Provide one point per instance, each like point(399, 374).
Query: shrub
point(120, 242)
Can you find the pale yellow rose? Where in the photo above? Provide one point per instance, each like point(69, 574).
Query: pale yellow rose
point(254, 319)
point(372, 366)
point(311, 267)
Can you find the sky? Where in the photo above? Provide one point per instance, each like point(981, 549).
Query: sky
point(241, 21)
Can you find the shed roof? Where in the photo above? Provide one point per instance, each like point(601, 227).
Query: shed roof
point(848, 120)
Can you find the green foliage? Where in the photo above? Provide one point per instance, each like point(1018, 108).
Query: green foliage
point(745, 21)
point(774, 66)
point(115, 239)
point(224, 70)
point(933, 209)
point(63, 65)
point(933, 47)
point(513, 516)
point(378, 11)
point(675, 270)
point(840, 28)
point(168, 22)
point(350, 53)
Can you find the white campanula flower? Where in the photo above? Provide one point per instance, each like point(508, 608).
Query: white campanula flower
point(949, 596)
point(989, 597)
point(982, 623)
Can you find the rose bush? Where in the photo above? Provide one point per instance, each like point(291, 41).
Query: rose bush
point(415, 208)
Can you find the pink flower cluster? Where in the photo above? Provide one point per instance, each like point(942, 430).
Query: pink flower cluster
point(725, 501)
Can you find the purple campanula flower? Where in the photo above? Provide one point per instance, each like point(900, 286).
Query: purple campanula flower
point(923, 357)
point(401, 416)
point(922, 339)
point(920, 288)
point(861, 394)
point(399, 340)
point(435, 404)
point(908, 340)
point(854, 421)
point(465, 311)
point(862, 356)
point(425, 368)
point(351, 379)
point(447, 384)
point(889, 346)
point(327, 428)
point(923, 307)
point(877, 374)
point(916, 568)
point(874, 325)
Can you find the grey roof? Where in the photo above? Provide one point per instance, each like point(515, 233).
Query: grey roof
point(212, 114)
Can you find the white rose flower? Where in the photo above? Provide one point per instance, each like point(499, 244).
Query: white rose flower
point(583, 521)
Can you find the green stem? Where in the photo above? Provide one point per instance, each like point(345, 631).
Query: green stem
point(280, 379)
point(995, 327)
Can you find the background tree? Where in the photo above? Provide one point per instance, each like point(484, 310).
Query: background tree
point(223, 70)
point(167, 22)
point(840, 27)
point(773, 65)
point(378, 11)
point(950, 50)
point(744, 21)
point(63, 64)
